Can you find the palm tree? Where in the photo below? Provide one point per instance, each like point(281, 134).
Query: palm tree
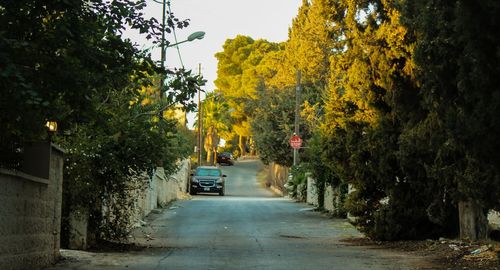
point(215, 120)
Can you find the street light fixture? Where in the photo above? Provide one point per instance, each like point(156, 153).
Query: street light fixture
point(194, 36)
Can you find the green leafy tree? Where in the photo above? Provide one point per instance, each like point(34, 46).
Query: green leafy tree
point(307, 50)
point(67, 61)
point(56, 58)
point(106, 158)
point(237, 80)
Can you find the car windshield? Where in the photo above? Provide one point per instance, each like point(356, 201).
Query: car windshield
point(207, 172)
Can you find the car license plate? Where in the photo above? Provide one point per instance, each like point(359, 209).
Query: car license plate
point(207, 189)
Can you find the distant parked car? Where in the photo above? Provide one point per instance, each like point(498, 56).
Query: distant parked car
point(225, 158)
point(207, 179)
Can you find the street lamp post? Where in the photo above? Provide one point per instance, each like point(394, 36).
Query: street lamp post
point(192, 37)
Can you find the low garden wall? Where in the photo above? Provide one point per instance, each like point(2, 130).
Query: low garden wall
point(30, 210)
point(277, 178)
point(163, 189)
point(160, 190)
point(331, 201)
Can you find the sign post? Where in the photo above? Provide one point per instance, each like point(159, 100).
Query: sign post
point(297, 141)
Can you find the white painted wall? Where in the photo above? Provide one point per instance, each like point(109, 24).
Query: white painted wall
point(162, 190)
point(329, 206)
point(312, 191)
point(494, 219)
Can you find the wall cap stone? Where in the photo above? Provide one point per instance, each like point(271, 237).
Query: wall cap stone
point(58, 148)
point(24, 176)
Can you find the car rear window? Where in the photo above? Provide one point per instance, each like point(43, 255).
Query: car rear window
point(207, 172)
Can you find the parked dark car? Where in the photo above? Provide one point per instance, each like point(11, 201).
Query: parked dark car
point(207, 179)
point(225, 158)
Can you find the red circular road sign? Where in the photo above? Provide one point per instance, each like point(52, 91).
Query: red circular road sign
point(295, 142)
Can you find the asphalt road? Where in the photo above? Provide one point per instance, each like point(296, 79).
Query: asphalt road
point(249, 228)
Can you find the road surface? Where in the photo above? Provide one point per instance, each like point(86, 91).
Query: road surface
point(249, 228)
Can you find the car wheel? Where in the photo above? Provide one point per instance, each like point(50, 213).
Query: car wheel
point(221, 193)
point(192, 192)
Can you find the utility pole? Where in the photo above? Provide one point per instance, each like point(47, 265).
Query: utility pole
point(162, 53)
point(199, 120)
point(297, 115)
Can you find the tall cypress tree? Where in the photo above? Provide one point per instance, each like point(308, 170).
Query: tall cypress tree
point(458, 60)
point(373, 95)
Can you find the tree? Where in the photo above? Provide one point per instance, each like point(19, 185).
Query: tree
point(107, 157)
point(373, 94)
point(272, 125)
point(307, 50)
point(457, 58)
point(237, 79)
point(215, 123)
point(59, 56)
point(67, 61)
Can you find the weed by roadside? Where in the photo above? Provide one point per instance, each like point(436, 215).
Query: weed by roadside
point(446, 254)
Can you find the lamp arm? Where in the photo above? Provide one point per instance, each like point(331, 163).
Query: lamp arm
point(175, 44)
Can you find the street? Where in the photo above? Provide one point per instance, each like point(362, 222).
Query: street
point(249, 228)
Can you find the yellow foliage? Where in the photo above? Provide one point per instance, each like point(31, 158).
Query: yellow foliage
point(146, 101)
point(242, 128)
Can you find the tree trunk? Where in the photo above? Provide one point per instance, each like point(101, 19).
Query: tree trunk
point(211, 143)
point(241, 145)
point(252, 147)
point(215, 156)
point(473, 221)
point(209, 156)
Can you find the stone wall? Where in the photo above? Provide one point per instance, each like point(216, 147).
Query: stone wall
point(30, 210)
point(163, 189)
point(331, 199)
point(277, 178)
point(312, 195)
point(312, 191)
point(494, 219)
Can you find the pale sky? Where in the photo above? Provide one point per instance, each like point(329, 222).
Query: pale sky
point(221, 19)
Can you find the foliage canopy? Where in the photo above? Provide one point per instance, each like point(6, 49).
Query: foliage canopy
point(67, 60)
point(400, 102)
